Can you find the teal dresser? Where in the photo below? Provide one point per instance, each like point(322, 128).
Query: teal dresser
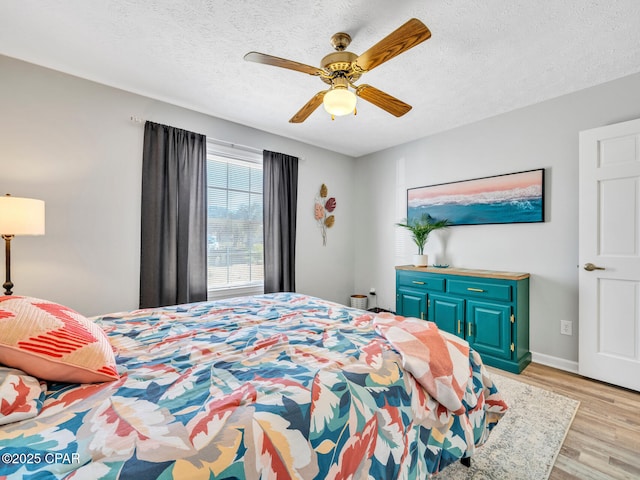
point(489, 309)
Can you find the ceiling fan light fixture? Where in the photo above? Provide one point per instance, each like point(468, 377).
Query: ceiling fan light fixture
point(339, 101)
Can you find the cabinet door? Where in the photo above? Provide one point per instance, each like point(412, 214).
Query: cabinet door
point(489, 328)
point(411, 303)
point(447, 313)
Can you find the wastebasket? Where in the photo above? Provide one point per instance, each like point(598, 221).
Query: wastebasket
point(359, 301)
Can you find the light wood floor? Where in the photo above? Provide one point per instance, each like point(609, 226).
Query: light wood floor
point(604, 439)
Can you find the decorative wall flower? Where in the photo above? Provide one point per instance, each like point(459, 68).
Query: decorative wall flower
point(323, 212)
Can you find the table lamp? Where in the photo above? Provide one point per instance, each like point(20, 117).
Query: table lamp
point(18, 216)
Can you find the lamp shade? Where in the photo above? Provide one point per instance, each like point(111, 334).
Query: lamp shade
point(339, 101)
point(21, 216)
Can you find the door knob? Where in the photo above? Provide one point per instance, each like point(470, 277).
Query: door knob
point(590, 267)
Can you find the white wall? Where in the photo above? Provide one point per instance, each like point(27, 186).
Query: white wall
point(71, 143)
point(541, 136)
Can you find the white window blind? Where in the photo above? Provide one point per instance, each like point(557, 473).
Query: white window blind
point(234, 222)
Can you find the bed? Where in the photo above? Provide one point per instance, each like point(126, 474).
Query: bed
point(273, 386)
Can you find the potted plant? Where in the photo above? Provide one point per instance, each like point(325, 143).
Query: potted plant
point(420, 229)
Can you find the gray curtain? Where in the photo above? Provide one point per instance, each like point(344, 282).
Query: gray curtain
point(173, 255)
point(280, 173)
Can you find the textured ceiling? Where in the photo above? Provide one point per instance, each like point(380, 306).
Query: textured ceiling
point(484, 57)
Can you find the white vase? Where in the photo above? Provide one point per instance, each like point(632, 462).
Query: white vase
point(420, 260)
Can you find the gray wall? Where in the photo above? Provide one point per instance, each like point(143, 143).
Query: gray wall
point(540, 136)
point(71, 143)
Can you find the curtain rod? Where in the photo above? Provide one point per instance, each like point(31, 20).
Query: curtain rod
point(223, 143)
point(234, 145)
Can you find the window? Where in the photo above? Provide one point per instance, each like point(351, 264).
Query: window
point(234, 222)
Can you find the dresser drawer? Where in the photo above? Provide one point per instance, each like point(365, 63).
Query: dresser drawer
point(421, 281)
point(479, 289)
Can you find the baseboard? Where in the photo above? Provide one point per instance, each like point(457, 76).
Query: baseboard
point(555, 362)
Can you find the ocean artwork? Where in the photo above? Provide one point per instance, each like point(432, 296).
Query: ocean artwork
point(511, 198)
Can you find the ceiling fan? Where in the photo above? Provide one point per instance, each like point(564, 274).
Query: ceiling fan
point(341, 69)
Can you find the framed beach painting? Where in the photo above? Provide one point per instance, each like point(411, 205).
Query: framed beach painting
point(510, 198)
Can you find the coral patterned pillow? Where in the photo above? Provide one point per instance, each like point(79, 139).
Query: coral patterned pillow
point(21, 395)
point(53, 342)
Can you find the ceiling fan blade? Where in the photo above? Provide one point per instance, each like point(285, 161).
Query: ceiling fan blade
point(309, 108)
point(282, 62)
point(383, 100)
point(408, 35)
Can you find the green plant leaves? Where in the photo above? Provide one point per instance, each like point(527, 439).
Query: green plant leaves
point(422, 227)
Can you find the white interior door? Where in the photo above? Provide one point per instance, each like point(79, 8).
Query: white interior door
point(609, 254)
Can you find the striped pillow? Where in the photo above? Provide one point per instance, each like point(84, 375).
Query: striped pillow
point(53, 342)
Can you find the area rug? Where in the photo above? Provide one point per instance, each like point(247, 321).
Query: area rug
point(525, 443)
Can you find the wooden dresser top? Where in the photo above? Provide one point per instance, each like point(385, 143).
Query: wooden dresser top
point(466, 272)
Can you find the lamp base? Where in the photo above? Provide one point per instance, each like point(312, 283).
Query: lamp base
point(7, 285)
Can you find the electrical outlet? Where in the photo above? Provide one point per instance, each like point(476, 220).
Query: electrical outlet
point(372, 291)
point(566, 327)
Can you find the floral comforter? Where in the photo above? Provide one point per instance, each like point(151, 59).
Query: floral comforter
point(279, 386)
